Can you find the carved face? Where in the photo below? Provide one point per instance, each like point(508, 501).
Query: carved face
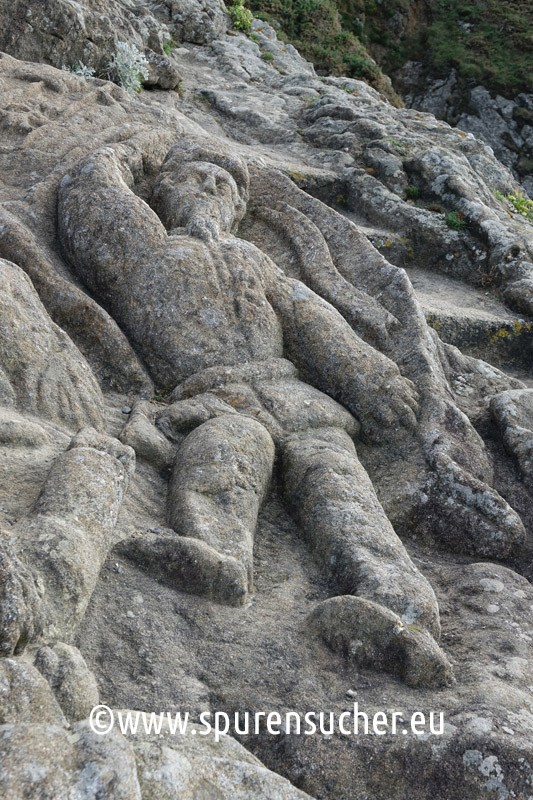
point(201, 197)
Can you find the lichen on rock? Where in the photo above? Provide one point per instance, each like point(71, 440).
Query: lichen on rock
point(250, 474)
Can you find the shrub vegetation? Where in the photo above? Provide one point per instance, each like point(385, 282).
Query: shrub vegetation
point(486, 41)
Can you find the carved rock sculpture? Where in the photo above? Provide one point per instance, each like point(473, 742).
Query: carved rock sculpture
point(249, 473)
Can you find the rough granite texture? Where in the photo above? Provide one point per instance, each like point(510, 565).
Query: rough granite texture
point(266, 421)
point(504, 123)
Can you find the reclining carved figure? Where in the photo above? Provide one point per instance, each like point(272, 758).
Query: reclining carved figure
point(215, 319)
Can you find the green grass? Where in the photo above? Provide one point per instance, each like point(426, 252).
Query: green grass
point(412, 192)
point(455, 220)
point(486, 41)
point(521, 204)
point(315, 28)
point(489, 41)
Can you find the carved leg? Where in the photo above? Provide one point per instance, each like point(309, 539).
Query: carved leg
point(335, 503)
point(512, 412)
point(219, 481)
point(60, 548)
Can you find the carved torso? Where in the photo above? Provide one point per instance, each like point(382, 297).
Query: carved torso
point(195, 306)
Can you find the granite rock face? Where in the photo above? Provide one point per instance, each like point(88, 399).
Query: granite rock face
point(72, 35)
point(42, 373)
point(260, 465)
point(504, 123)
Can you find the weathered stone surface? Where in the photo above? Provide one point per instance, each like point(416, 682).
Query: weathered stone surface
point(72, 682)
point(162, 73)
point(25, 696)
point(187, 767)
point(50, 762)
point(313, 451)
point(201, 21)
point(513, 413)
point(148, 442)
point(503, 123)
point(52, 559)
point(95, 333)
point(42, 372)
point(204, 192)
point(365, 632)
point(73, 34)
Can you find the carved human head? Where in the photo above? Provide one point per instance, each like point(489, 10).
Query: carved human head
point(201, 189)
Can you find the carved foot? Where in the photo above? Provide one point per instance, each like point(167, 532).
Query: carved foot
point(148, 442)
point(190, 566)
point(89, 437)
point(375, 637)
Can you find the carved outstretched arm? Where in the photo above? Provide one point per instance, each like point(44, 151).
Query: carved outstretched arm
point(90, 327)
point(359, 308)
point(322, 344)
point(104, 227)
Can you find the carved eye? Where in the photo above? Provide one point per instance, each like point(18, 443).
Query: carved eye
point(221, 181)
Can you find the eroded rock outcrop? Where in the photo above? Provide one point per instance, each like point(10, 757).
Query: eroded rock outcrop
point(292, 477)
point(504, 123)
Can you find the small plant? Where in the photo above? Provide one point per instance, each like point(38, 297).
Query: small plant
point(348, 89)
point(455, 220)
point(520, 327)
point(268, 55)
point(524, 116)
point(521, 204)
point(500, 335)
point(412, 192)
point(398, 145)
point(128, 66)
point(255, 37)
point(168, 47)
point(434, 322)
point(488, 277)
point(240, 16)
point(80, 69)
